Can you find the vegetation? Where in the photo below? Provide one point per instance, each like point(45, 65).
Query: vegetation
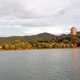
point(40, 41)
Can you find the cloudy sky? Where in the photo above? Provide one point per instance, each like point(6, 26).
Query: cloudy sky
point(27, 17)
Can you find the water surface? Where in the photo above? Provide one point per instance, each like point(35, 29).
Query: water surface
point(50, 64)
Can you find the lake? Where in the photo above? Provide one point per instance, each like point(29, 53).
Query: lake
point(48, 64)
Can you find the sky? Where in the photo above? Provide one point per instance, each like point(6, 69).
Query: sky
point(30, 17)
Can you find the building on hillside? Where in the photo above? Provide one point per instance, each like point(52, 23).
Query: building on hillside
point(74, 36)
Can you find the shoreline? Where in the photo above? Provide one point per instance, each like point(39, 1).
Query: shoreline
point(38, 49)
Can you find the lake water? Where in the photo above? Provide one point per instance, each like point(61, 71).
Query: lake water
point(52, 64)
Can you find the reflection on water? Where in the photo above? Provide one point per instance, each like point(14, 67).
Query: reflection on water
point(53, 64)
point(75, 65)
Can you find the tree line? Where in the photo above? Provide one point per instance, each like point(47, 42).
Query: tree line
point(40, 41)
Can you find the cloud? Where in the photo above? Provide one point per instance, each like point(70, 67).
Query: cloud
point(19, 30)
point(39, 11)
point(33, 16)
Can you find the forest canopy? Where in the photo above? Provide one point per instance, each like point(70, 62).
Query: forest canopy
point(39, 41)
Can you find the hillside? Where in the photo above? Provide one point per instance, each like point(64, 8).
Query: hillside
point(42, 40)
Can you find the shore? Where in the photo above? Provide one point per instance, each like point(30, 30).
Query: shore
point(36, 49)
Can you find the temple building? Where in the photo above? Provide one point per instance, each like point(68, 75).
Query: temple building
point(73, 31)
point(74, 36)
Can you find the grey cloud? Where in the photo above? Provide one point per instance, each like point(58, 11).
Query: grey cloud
point(28, 13)
point(12, 8)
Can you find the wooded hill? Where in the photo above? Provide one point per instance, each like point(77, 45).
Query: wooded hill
point(39, 41)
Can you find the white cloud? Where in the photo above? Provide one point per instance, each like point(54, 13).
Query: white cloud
point(19, 30)
point(34, 16)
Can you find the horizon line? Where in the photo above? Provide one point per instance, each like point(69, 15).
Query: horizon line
point(35, 34)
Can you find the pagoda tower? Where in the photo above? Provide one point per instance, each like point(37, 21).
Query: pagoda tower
point(74, 36)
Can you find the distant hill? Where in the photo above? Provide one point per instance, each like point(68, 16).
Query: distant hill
point(41, 36)
point(42, 40)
